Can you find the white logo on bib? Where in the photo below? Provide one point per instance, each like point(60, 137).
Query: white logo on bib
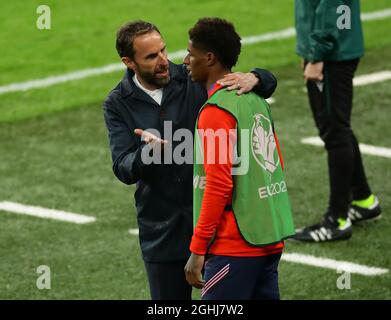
point(263, 144)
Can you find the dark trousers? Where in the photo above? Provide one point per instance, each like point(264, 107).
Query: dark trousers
point(331, 105)
point(167, 281)
point(241, 278)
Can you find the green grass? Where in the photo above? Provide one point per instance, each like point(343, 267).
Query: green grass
point(54, 151)
point(76, 42)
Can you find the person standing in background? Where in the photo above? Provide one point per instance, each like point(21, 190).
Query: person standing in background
point(330, 41)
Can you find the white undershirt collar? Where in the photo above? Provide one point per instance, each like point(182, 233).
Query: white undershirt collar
point(156, 94)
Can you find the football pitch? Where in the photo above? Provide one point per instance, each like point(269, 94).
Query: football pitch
point(54, 150)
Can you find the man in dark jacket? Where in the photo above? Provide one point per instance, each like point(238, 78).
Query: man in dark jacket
point(330, 40)
point(156, 94)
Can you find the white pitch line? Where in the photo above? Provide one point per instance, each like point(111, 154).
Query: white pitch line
point(370, 78)
point(366, 79)
point(81, 74)
point(364, 148)
point(333, 264)
point(45, 213)
point(270, 100)
point(270, 36)
point(322, 262)
point(133, 232)
point(376, 15)
point(46, 82)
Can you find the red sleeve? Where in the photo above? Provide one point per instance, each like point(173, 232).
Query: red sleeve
point(219, 184)
point(279, 151)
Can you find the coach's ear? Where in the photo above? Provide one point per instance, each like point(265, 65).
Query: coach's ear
point(128, 62)
point(210, 59)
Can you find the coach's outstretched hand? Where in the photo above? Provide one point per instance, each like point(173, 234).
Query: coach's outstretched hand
point(149, 137)
point(193, 270)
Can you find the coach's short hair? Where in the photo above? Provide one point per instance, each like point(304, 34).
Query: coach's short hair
point(127, 33)
point(218, 36)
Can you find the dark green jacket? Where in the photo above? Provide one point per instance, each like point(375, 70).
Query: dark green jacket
point(319, 33)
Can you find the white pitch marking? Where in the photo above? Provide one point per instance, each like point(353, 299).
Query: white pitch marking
point(366, 79)
point(333, 264)
point(323, 262)
point(364, 148)
point(276, 35)
point(81, 74)
point(49, 81)
point(376, 15)
point(134, 232)
point(45, 213)
point(270, 100)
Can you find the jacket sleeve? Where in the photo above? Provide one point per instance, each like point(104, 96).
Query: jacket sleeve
point(268, 83)
point(267, 86)
point(125, 146)
point(324, 36)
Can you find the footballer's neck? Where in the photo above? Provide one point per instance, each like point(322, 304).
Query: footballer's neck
point(216, 74)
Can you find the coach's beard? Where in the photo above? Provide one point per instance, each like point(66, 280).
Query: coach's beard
point(161, 82)
point(155, 79)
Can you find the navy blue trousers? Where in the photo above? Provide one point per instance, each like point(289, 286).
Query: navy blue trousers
point(167, 281)
point(241, 278)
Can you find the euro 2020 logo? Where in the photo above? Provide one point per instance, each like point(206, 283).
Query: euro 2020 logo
point(263, 144)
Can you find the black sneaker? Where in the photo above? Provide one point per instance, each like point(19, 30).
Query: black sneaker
point(357, 214)
point(327, 230)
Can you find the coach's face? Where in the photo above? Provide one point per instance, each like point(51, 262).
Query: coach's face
point(150, 61)
point(196, 61)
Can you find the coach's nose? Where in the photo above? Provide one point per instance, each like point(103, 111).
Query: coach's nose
point(163, 59)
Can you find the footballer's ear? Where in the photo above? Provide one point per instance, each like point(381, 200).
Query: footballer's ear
point(210, 59)
point(128, 62)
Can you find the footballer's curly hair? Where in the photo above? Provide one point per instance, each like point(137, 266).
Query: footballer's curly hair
point(127, 33)
point(218, 36)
